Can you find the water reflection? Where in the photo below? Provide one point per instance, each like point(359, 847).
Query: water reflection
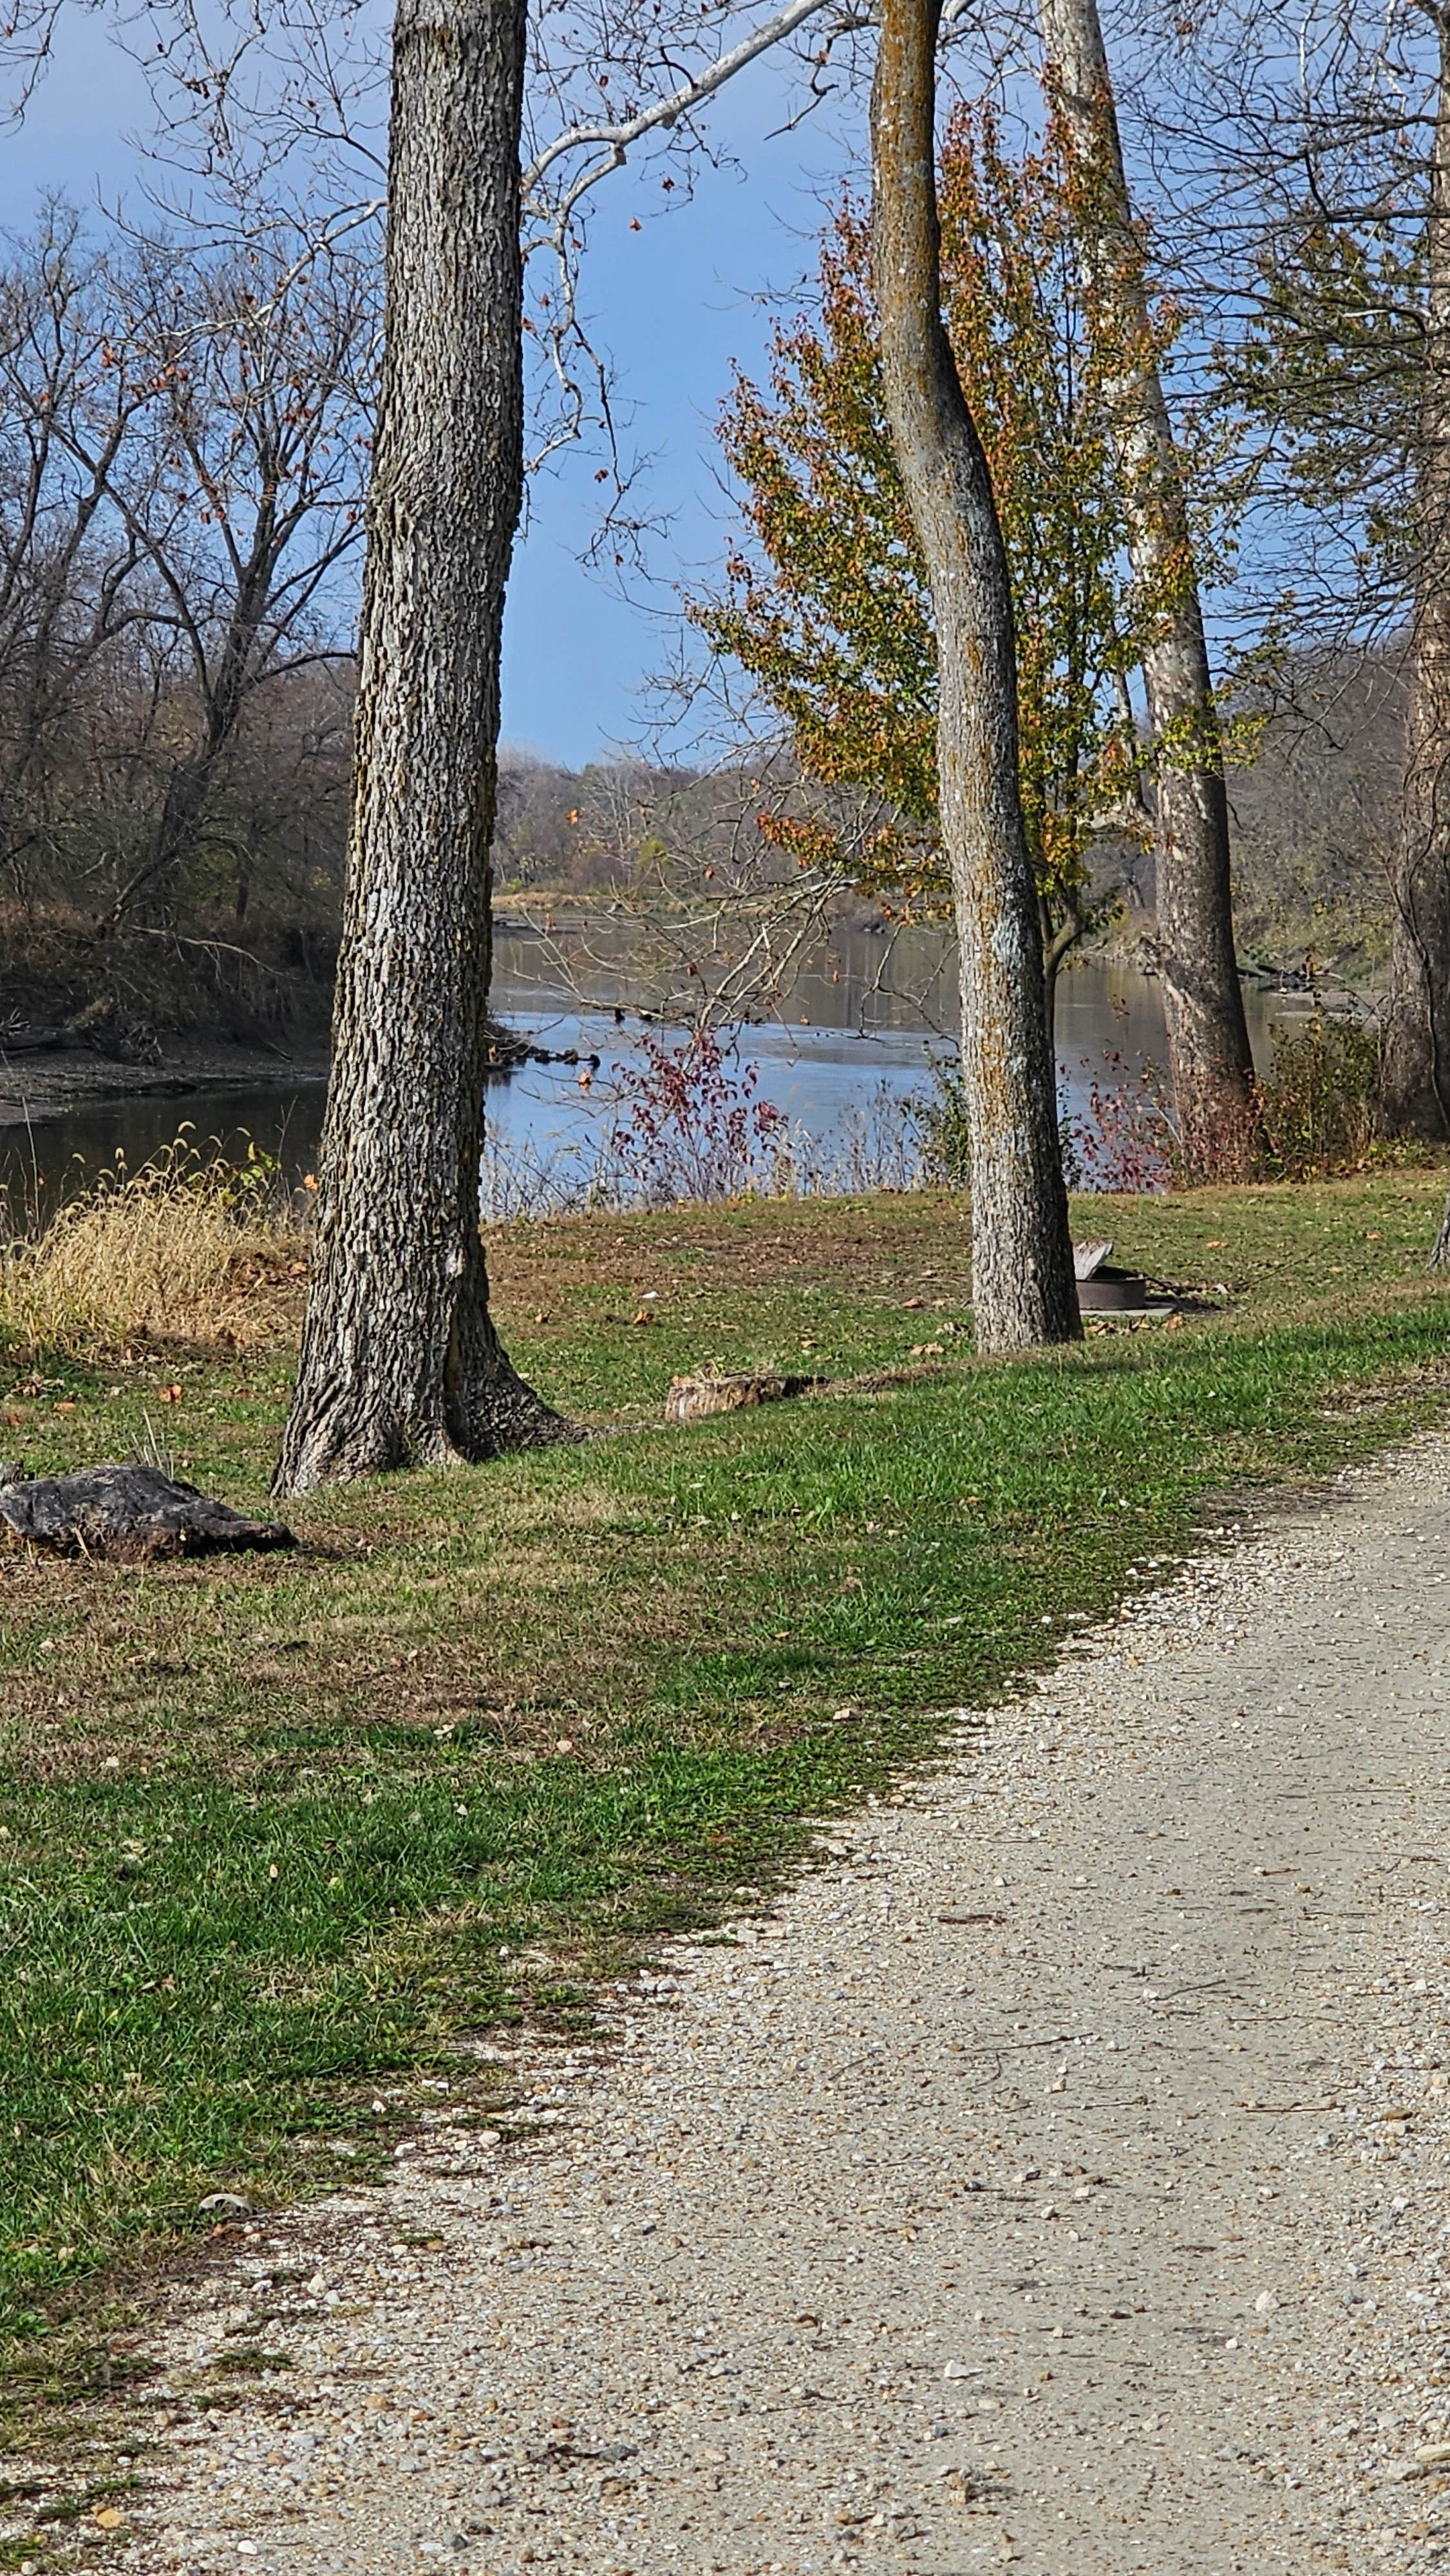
point(866, 1016)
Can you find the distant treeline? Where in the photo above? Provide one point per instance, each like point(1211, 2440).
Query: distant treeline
point(1316, 817)
point(182, 457)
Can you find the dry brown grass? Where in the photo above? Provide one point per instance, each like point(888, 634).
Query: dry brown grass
point(177, 1250)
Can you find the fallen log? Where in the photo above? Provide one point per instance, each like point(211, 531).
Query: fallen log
point(129, 1515)
point(690, 1399)
point(99, 1024)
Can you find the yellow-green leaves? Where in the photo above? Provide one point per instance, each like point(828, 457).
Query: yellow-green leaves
point(827, 605)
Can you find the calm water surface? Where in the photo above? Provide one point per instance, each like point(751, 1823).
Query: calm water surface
point(866, 1018)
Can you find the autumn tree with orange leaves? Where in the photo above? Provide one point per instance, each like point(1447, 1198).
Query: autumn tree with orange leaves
point(829, 610)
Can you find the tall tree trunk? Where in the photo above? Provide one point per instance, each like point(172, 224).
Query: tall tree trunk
point(1208, 1036)
point(1023, 1289)
point(1415, 1080)
point(192, 783)
point(400, 1360)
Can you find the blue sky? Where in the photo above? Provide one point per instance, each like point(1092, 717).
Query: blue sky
point(672, 304)
point(675, 302)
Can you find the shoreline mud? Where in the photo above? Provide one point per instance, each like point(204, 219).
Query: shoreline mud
point(34, 1092)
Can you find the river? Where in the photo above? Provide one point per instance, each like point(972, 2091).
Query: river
point(865, 1019)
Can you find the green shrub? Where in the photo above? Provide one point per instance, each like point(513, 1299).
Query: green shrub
point(941, 1119)
point(1319, 1103)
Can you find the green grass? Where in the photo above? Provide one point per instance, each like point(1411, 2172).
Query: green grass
point(273, 1832)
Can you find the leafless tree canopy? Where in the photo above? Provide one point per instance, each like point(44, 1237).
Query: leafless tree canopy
point(184, 415)
point(182, 445)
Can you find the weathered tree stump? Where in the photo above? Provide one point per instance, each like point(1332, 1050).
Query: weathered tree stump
point(691, 1398)
point(131, 1515)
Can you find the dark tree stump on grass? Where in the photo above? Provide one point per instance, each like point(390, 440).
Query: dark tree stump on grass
point(132, 1515)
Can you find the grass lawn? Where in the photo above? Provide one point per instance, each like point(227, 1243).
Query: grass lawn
point(272, 1832)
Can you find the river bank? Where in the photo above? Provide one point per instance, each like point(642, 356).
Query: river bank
point(843, 1072)
point(37, 1089)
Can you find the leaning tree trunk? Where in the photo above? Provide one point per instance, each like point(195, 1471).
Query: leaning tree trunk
point(400, 1361)
point(1023, 1288)
point(1208, 1036)
point(1415, 1077)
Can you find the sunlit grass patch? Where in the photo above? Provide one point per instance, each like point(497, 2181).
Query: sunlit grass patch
point(273, 1832)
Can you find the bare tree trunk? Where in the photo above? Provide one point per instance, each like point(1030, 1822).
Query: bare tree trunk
point(183, 810)
point(400, 1360)
point(1208, 1036)
point(1058, 944)
point(1415, 1073)
point(1023, 1290)
point(190, 788)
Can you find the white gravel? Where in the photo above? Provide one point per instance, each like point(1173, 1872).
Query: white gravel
point(1057, 2177)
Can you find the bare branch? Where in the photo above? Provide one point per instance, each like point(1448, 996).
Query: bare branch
point(664, 112)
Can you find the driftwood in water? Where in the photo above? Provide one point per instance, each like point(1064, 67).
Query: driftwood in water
point(131, 1514)
point(691, 1398)
point(508, 1050)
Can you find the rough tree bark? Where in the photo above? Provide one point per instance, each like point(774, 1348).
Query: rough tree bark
point(1208, 1037)
point(1415, 1073)
point(400, 1360)
point(1023, 1290)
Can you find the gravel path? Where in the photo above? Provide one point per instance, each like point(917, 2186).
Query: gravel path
point(1057, 2178)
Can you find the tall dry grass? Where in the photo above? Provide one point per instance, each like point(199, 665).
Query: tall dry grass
point(179, 1250)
